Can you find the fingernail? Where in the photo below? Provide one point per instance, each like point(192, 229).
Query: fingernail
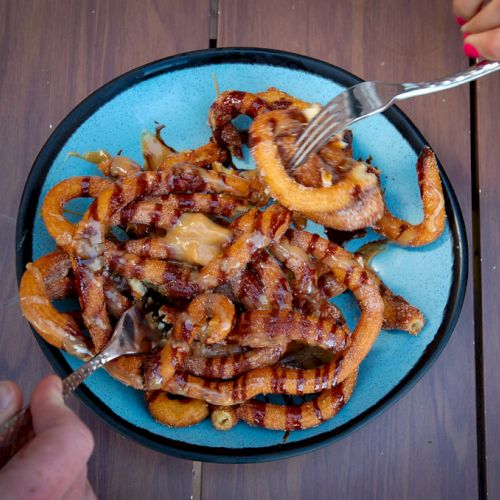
point(56, 392)
point(460, 21)
point(465, 35)
point(470, 51)
point(6, 396)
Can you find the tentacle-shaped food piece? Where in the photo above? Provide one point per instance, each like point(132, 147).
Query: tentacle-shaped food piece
point(326, 168)
point(116, 302)
point(285, 188)
point(53, 205)
point(277, 99)
point(224, 109)
point(274, 283)
point(209, 318)
point(154, 149)
point(201, 157)
point(303, 269)
point(176, 412)
point(249, 291)
point(170, 278)
point(295, 417)
point(266, 328)
point(432, 225)
point(224, 418)
point(399, 314)
point(88, 248)
point(347, 271)
point(164, 211)
point(308, 296)
point(42, 282)
point(182, 281)
point(280, 380)
point(227, 367)
point(267, 227)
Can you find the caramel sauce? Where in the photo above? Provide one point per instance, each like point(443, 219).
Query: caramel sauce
point(197, 239)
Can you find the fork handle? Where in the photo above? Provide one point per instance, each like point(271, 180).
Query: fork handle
point(14, 434)
point(474, 72)
point(73, 380)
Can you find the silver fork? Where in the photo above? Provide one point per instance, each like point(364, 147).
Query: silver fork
point(132, 335)
point(368, 98)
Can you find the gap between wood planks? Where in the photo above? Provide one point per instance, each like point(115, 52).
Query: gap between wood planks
point(477, 295)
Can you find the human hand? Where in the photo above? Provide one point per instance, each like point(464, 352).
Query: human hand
point(54, 464)
point(480, 27)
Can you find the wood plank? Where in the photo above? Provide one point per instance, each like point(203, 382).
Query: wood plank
point(425, 445)
point(53, 53)
point(488, 155)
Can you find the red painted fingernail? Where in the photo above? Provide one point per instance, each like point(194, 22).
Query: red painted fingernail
point(465, 35)
point(460, 21)
point(470, 50)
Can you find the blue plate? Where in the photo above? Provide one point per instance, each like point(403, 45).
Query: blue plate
point(177, 92)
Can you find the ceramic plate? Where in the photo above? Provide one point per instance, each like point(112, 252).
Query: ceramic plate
point(177, 92)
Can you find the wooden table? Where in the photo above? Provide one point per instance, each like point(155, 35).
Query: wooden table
point(439, 441)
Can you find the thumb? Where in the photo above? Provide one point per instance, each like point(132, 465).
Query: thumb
point(50, 463)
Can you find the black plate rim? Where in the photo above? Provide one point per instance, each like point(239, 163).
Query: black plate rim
point(27, 213)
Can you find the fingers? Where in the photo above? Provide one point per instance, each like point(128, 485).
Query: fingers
point(465, 9)
point(486, 44)
point(11, 400)
point(49, 465)
point(486, 19)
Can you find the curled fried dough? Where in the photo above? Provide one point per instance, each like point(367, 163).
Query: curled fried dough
point(266, 328)
point(308, 296)
point(303, 416)
point(280, 380)
point(42, 282)
point(227, 367)
point(287, 190)
point(399, 314)
point(275, 286)
point(164, 211)
point(53, 205)
point(277, 99)
point(176, 412)
point(90, 235)
point(227, 106)
point(208, 318)
point(249, 290)
point(432, 225)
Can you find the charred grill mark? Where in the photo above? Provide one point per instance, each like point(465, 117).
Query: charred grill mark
point(282, 103)
point(253, 140)
point(156, 214)
point(259, 412)
point(85, 186)
point(311, 247)
point(293, 417)
point(141, 186)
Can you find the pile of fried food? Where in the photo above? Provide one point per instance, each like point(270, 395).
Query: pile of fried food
point(219, 261)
